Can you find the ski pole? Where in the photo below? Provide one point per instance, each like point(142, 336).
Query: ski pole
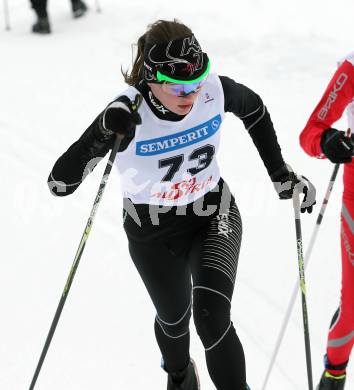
point(98, 6)
point(296, 205)
point(6, 16)
point(76, 259)
point(307, 260)
point(296, 286)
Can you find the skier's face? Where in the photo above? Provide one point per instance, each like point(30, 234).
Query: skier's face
point(180, 105)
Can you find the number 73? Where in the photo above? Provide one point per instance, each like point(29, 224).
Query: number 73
point(204, 155)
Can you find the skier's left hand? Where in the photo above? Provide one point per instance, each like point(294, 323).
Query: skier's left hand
point(285, 180)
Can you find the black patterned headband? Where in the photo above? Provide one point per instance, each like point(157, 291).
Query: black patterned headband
point(180, 60)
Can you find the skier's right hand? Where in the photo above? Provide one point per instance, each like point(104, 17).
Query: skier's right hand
point(337, 146)
point(121, 116)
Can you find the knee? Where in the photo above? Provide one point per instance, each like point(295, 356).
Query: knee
point(347, 314)
point(211, 313)
point(343, 319)
point(174, 329)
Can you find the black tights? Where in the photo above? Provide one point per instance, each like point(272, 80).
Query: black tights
point(211, 261)
point(40, 6)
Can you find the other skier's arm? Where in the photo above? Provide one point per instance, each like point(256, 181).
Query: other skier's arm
point(339, 93)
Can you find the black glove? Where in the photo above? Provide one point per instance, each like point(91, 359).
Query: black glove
point(121, 116)
point(285, 180)
point(337, 146)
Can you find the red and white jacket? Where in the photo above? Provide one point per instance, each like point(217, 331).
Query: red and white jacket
point(338, 96)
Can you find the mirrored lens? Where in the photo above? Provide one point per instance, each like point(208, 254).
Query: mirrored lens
point(183, 89)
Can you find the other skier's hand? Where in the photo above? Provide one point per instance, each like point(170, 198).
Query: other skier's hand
point(337, 146)
point(285, 180)
point(121, 116)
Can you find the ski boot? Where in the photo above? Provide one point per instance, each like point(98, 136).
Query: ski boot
point(42, 26)
point(186, 379)
point(330, 382)
point(79, 8)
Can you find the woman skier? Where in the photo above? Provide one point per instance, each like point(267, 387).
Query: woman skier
point(180, 217)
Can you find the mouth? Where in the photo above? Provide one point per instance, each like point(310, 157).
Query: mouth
point(185, 106)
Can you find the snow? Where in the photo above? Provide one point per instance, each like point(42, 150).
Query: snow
point(52, 87)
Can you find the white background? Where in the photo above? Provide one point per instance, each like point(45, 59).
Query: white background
point(52, 87)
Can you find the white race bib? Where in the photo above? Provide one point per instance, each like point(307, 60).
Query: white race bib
point(174, 163)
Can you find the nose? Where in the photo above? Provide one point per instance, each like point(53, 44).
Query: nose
point(189, 98)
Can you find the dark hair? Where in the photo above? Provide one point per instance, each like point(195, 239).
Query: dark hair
point(158, 32)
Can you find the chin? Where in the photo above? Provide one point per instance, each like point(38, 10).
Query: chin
point(183, 110)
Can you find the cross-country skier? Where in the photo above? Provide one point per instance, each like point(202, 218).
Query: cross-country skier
point(320, 140)
point(42, 25)
point(179, 215)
